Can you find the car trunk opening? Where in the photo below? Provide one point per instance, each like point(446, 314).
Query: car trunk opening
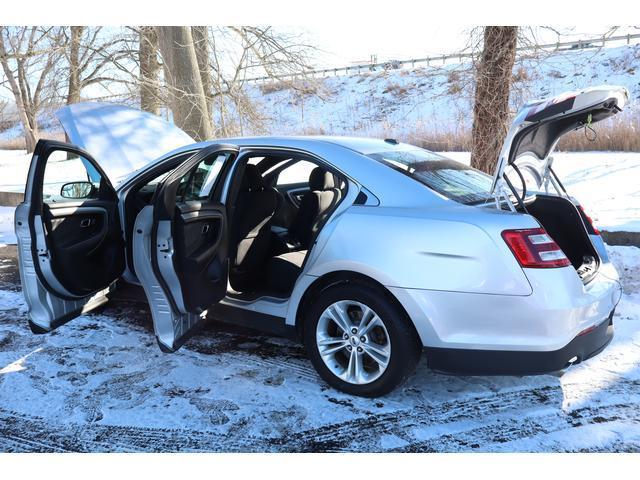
point(565, 223)
point(527, 149)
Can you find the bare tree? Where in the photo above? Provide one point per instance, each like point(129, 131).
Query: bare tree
point(149, 70)
point(73, 93)
point(28, 56)
point(182, 75)
point(237, 53)
point(202, 47)
point(491, 106)
point(93, 55)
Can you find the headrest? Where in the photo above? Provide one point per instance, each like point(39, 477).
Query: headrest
point(252, 180)
point(320, 179)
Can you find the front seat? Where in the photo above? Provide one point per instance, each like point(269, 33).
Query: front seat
point(251, 230)
point(315, 205)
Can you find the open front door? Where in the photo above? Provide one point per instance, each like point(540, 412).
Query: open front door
point(70, 243)
point(180, 246)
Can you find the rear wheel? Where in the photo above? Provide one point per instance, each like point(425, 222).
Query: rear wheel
point(359, 340)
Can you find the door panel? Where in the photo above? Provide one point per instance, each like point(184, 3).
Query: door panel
point(70, 249)
point(201, 254)
point(181, 245)
point(88, 232)
point(171, 326)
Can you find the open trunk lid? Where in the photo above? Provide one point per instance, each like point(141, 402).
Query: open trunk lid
point(541, 123)
point(120, 138)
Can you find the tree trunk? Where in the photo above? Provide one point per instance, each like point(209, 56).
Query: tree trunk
point(491, 107)
point(31, 133)
point(73, 94)
point(186, 94)
point(201, 44)
point(149, 70)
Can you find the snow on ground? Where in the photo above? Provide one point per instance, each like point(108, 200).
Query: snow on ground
point(427, 99)
point(607, 184)
point(100, 383)
point(7, 234)
point(14, 167)
point(434, 98)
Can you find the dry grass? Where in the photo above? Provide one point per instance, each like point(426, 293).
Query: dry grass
point(275, 86)
point(395, 89)
point(613, 135)
point(13, 144)
point(302, 87)
point(19, 143)
point(521, 75)
point(459, 141)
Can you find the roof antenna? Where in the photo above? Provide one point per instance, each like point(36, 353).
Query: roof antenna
point(392, 141)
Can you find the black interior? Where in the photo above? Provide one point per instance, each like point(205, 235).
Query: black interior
point(198, 228)
point(87, 250)
point(270, 256)
point(563, 221)
point(251, 230)
point(83, 236)
point(142, 194)
point(315, 205)
point(201, 252)
point(270, 227)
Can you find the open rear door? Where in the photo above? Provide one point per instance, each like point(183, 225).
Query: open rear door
point(180, 246)
point(70, 243)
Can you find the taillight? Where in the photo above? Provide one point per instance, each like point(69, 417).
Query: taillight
point(593, 227)
point(534, 248)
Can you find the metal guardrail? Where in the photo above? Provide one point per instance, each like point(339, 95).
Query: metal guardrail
point(580, 44)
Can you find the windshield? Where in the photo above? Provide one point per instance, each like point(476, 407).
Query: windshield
point(452, 179)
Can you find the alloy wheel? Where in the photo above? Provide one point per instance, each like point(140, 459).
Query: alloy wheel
point(353, 342)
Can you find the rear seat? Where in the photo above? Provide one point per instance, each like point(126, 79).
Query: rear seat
point(283, 271)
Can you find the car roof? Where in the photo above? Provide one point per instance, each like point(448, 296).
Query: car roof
point(363, 145)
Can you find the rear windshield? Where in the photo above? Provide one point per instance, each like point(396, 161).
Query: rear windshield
point(452, 179)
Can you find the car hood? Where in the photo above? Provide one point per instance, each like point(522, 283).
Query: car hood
point(120, 138)
point(539, 125)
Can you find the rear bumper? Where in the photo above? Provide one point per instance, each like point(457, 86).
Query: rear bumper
point(503, 362)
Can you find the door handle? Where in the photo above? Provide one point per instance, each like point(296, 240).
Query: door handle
point(86, 222)
point(205, 228)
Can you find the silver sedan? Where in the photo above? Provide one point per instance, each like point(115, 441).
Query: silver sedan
point(369, 251)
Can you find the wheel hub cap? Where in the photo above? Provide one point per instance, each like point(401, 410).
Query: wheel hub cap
point(353, 342)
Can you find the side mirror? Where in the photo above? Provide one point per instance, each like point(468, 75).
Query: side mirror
point(76, 190)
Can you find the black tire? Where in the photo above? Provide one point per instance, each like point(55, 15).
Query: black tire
point(405, 344)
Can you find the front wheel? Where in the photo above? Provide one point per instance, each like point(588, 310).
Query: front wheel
point(359, 340)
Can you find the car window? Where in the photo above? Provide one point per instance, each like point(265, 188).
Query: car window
point(69, 177)
point(297, 173)
point(449, 178)
point(199, 182)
